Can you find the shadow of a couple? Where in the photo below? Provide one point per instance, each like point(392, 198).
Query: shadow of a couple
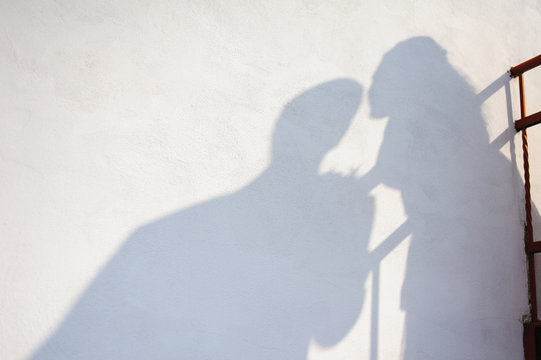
point(259, 273)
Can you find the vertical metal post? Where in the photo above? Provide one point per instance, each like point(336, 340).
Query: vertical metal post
point(528, 206)
point(532, 327)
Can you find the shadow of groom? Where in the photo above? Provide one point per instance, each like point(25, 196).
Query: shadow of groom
point(252, 275)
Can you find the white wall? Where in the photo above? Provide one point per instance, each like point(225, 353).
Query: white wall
point(262, 180)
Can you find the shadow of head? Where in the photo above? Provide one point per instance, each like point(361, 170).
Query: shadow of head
point(434, 116)
point(415, 72)
point(315, 121)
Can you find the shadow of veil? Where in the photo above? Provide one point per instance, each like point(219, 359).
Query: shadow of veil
point(458, 200)
point(253, 275)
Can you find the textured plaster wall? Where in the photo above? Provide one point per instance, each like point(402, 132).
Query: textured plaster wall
point(262, 180)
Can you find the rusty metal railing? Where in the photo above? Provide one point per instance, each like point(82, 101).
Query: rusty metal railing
point(532, 329)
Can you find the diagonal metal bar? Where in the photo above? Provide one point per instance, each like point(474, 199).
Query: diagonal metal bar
point(525, 66)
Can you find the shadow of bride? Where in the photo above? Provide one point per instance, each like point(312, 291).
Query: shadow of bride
point(464, 257)
point(253, 275)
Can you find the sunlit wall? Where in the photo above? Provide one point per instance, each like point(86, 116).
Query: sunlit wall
point(263, 180)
